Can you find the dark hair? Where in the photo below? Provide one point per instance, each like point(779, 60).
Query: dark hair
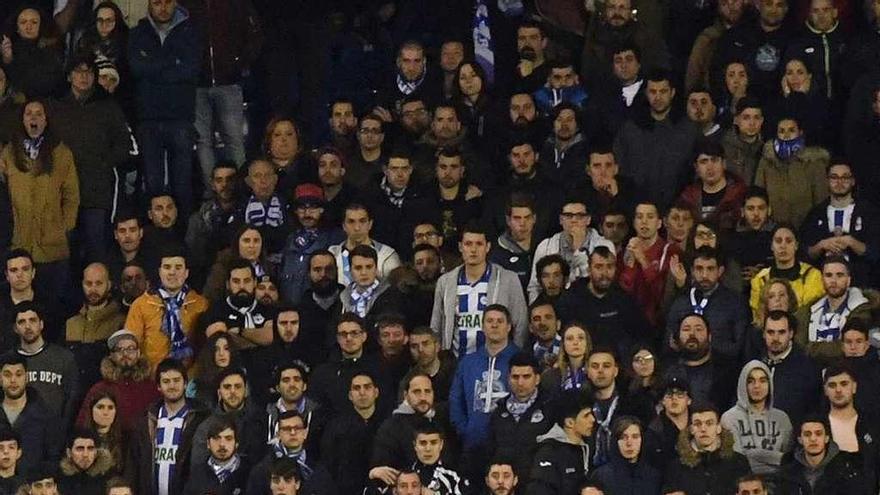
point(838, 368)
point(538, 303)
point(747, 102)
point(391, 320)
point(355, 206)
point(293, 413)
point(349, 317)
point(426, 427)
point(604, 349)
point(778, 314)
point(114, 439)
point(209, 372)
point(519, 200)
point(550, 259)
point(707, 146)
point(688, 315)
point(418, 248)
point(708, 253)
point(13, 359)
point(24, 307)
point(525, 359)
point(750, 478)
point(44, 163)
point(658, 75)
point(10, 435)
point(170, 364)
point(80, 432)
point(703, 406)
point(500, 308)
point(240, 264)
point(602, 252)
point(756, 192)
point(126, 215)
point(621, 423)
point(474, 227)
point(626, 46)
point(364, 251)
point(530, 24)
point(570, 403)
point(294, 364)
point(835, 258)
point(815, 418)
point(286, 468)
point(218, 424)
point(19, 253)
point(230, 371)
point(500, 461)
point(857, 324)
point(118, 481)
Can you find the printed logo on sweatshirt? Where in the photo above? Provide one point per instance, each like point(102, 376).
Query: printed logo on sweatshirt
point(49, 377)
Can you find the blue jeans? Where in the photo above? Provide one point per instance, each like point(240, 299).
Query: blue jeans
point(174, 140)
point(221, 107)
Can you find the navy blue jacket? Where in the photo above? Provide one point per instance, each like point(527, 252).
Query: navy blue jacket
point(165, 73)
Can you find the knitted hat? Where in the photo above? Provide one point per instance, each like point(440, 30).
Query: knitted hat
point(118, 336)
point(106, 67)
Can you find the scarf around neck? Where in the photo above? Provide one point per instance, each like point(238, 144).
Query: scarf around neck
point(172, 325)
point(396, 198)
point(224, 470)
point(786, 148)
point(517, 408)
point(246, 312)
point(361, 297)
point(32, 146)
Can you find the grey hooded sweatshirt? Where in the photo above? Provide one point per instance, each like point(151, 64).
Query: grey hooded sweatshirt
point(764, 437)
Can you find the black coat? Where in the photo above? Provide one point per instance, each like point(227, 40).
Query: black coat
point(798, 375)
point(842, 475)
point(620, 477)
point(392, 225)
point(202, 480)
point(344, 446)
point(316, 479)
point(41, 434)
point(559, 465)
point(712, 473)
point(392, 445)
point(329, 382)
point(518, 440)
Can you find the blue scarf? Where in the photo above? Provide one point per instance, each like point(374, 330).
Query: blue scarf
point(32, 146)
point(786, 148)
point(299, 456)
point(304, 238)
point(171, 324)
point(573, 380)
point(360, 298)
point(223, 471)
point(259, 215)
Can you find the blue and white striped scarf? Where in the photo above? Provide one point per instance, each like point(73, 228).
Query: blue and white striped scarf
point(361, 297)
point(258, 214)
point(172, 325)
point(225, 470)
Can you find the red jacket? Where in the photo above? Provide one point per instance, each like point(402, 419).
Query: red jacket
point(727, 214)
point(647, 285)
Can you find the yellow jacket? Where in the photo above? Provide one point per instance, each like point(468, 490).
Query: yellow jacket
point(145, 321)
point(44, 206)
point(807, 287)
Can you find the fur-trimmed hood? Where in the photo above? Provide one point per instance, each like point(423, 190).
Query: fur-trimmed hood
point(690, 457)
point(103, 463)
point(113, 373)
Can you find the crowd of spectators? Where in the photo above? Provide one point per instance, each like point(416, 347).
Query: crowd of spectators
point(460, 247)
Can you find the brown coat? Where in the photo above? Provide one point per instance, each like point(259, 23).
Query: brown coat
point(795, 186)
point(44, 206)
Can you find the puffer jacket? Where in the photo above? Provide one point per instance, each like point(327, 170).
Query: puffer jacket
point(807, 287)
point(88, 482)
point(795, 186)
point(705, 473)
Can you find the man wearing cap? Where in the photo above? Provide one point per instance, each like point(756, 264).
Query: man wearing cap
point(669, 424)
point(126, 375)
point(43, 482)
point(309, 237)
point(88, 330)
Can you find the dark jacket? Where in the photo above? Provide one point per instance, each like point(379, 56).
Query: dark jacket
point(839, 473)
point(392, 225)
point(709, 473)
point(231, 38)
point(329, 382)
point(89, 482)
point(316, 479)
point(559, 465)
point(507, 253)
point(294, 271)
point(727, 313)
point(763, 52)
point(564, 166)
point(202, 480)
point(96, 132)
point(727, 211)
point(40, 432)
point(36, 69)
point(620, 477)
point(345, 445)
point(798, 375)
point(392, 445)
point(863, 227)
point(142, 445)
point(518, 440)
point(166, 72)
point(610, 319)
point(250, 424)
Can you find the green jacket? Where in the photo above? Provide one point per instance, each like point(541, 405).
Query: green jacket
point(795, 186)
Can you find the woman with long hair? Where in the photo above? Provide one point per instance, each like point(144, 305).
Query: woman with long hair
point(218, 353)
point(44, 192)
point(30, 51)
point(628, 472)
point(102, 418)
point(247, 244)
point(570, 370)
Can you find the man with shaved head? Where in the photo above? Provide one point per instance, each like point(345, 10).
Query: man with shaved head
point(87, 331)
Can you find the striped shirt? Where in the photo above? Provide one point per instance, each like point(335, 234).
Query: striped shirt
point(472, 301)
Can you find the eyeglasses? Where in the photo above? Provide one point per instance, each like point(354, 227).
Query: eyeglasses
point(413, 113)
point(705, 234)
point(644, 359)
point(349, 335)
point(841, 178)
point(125, 350)
point(426, 235)
point(568, 215)
point(676, 394)
point(292, 429)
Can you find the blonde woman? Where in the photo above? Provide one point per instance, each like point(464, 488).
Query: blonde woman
point(570, 370)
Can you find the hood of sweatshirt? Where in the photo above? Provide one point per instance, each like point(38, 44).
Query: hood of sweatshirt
point(830, 454)
point(742, 393)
